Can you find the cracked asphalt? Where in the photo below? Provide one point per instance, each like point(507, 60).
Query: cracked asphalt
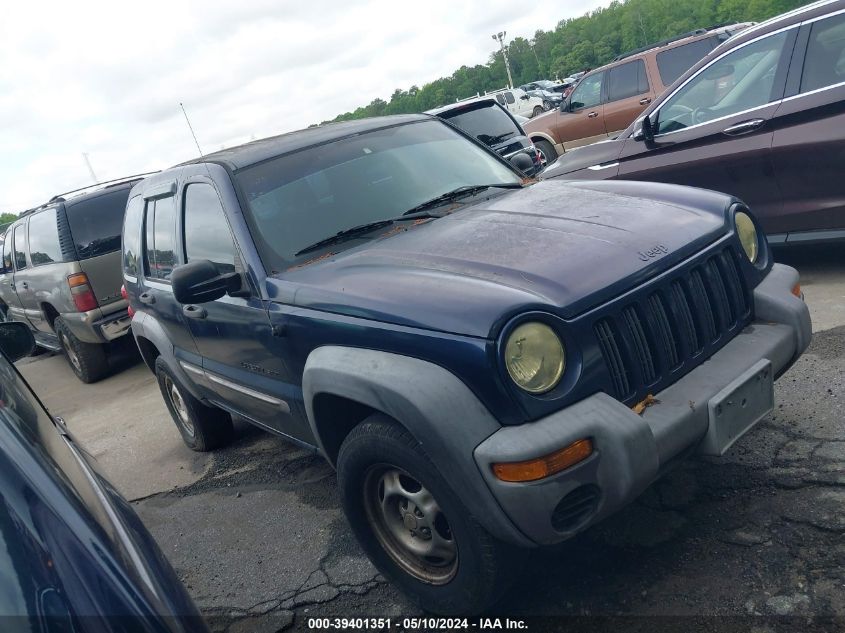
point(254, 530)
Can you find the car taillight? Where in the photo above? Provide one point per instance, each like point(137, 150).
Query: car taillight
point(80, 290)
point(125, 296)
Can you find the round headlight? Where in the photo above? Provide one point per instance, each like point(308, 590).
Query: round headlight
point(747, 235)
point(534, 357)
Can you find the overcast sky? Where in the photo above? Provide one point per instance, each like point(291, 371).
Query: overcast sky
point(106, 79)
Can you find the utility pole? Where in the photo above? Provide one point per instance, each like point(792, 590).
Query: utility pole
point(500, 37)
point(90, 169)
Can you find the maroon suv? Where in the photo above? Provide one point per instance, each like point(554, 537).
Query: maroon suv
point(761, 117)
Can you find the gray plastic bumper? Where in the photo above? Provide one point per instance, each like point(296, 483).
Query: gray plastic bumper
point(631, 450)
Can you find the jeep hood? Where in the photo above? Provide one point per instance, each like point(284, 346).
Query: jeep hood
point(558, 246)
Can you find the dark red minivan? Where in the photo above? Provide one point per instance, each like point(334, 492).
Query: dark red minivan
point(761, 117)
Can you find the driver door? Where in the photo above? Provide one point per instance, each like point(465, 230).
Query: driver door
point(714, 131)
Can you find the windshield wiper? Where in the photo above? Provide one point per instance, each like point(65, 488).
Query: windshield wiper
point(460, 192)
point(343, 235)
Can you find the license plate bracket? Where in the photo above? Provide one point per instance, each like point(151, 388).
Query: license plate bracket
point(738, 407)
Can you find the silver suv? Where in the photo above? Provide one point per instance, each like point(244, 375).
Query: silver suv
point(61, 275)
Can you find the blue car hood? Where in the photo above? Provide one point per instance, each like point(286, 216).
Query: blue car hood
point(558, 246)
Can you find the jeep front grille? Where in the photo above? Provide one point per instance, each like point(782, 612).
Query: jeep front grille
point(673, 327)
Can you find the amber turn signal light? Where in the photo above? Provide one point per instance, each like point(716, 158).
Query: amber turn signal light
point(796, 290)
point(542, 467)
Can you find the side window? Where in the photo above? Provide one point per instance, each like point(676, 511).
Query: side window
point(674, 62)
point(509, 97)
point(207, 233)
point(588, 93)
point(160, 227)
point(824, 64)
point(741, 80)
point(19, 247)
point(627, 80)
point(132, 235)
point(7, 253)
point(500, 99)
point(44, 245)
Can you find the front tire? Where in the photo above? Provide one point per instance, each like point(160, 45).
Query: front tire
point(203, 428)
point(414, 528)
point(88, 361)
point(538, 110)
point(547, 152)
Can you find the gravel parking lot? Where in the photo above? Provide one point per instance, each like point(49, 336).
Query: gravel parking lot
point(256, 529)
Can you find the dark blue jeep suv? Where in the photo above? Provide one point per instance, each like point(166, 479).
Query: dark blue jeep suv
point(490, 363)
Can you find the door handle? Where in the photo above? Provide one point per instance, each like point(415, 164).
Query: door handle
point(744, 128)
point(147, 297)
point(645, 100)
point(12, 285)
point(194, 312)
point(592, 115)
point(24, 285)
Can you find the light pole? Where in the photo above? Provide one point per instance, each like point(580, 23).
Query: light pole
point(500, 37)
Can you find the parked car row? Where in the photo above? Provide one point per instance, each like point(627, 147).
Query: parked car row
point(761, 117)
point(606, 100)
point(406, 302)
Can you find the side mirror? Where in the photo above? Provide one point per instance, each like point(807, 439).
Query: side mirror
point(564, 106)
point(16, 340)
point(525, 97)
point(522, 162)
point(646, 131)
point(200, 282)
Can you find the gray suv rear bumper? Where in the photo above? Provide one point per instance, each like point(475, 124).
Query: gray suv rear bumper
point(631, 450)
point(96, 327)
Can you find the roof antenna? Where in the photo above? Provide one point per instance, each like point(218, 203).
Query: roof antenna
point(191, 128)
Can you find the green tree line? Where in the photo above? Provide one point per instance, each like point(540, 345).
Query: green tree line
point(575, 45)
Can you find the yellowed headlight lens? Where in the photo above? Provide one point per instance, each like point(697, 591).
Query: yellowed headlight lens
point(747, 235)
point(534, 357)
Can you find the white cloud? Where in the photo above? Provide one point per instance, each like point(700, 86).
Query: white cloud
point(106, 78)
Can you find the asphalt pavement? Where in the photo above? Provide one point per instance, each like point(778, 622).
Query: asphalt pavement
point(255, 532)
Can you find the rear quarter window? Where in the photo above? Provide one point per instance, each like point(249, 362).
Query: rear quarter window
point(96, 223)
point(132, 236)
point(674, 62)
point(44, 246)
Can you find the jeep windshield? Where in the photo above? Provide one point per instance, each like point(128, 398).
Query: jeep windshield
point(484, 120)
point(300, 199)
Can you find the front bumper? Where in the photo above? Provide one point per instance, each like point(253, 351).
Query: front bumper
point(630, 450)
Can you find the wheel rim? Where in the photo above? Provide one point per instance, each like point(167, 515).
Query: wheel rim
point(71, 355)
point(543, 159)
point(179, 406)
point(410, 525)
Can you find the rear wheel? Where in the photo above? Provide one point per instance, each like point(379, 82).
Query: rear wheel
point(538, 110)
point(413, 526)
point(202, 427)
point(547, 152)
point(88, 361)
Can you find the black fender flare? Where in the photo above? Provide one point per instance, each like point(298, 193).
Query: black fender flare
point(439, 410)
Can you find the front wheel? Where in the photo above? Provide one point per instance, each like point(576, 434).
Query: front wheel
point(547, 152)
point(413, 526)
point(538, 110)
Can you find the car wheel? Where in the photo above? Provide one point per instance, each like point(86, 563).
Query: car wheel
point(88, 361)
point(414, 528)
point(538, 110)
point(203, 428)
point(547, 105)
point(547, 152)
